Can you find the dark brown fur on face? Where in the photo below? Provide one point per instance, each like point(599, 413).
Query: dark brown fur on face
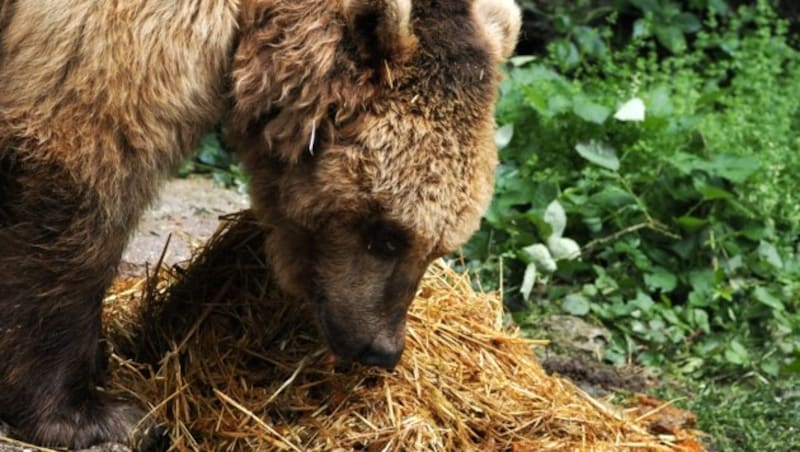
point(365, 126)
point(372, 154)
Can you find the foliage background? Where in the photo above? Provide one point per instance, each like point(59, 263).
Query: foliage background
point(688, 220)
point(683, 226)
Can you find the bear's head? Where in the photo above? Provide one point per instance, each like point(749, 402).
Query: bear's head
point(366, 127)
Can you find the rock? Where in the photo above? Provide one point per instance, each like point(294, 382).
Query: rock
point(575, 334)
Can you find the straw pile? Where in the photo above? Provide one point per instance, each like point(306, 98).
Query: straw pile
point(227, 363)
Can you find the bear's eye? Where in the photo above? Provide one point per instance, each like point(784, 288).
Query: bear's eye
point(386, 242)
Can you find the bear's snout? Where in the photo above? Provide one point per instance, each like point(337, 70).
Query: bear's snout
point(364, 342)
point(384, 352)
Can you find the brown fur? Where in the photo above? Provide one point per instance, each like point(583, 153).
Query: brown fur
point(365, 126)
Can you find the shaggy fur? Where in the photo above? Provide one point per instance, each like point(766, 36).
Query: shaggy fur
point(365, 126)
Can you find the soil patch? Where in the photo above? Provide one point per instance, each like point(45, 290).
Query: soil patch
point(187, 213)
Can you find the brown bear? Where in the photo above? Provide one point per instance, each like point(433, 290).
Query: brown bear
point(365, 126)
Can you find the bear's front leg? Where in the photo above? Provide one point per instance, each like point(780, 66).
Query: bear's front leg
point(60, 242)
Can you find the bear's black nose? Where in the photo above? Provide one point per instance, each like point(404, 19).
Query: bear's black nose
point(381, 357)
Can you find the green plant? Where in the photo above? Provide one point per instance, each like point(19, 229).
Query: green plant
point(679, 176)
point(212, 158)
point(581, 38)
point(745, 415)
point(669, 22)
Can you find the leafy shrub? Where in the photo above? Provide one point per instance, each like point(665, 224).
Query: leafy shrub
point(212, 158)
point(687, 220)
point(571, 25)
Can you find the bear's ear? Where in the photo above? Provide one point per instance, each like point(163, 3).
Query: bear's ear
point(501, 21)
point(382, 29)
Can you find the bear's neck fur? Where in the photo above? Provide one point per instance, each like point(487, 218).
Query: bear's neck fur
point(136, 101)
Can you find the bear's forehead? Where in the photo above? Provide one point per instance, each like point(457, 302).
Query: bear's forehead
point(423, 152)
point(439, 220)
point(430, 176)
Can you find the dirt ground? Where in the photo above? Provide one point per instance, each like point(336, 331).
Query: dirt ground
point(187, 213)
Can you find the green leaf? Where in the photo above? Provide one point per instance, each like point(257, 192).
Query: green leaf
point(211, 152)
point(605, 282)
point(687, 22)
point(699, 299)
point(670, 316)
point(643, 301)
point(685, 162)
point(534, 217)
point(692, 364)
point(670, 37)
point(598, 153)
point(755, 231)
point(590, 41)
point(539, 255)
point(718, 6)
point(736, 353)
point(641, 28)
point(558, 104)
point(771, 367)
point(590, 111)
point(613, 197)
point(661, 279)
point(521, 60)
point(710, 193)
point(614, 356)
point(691, 223)
point(793, 367)
point(528, 281)
point(735, 168)
point(769, 254)
point(503, 135)
point(594, 223)
point(555, 216)
point(702, 280)
point(576, 304)
point(537, 100)
point(763, 296)
point(565, 52)
point(186, 168)
point(563, 248)
point(646, 6)
point(632, 110)
point(637, 326)
point(700, 320)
